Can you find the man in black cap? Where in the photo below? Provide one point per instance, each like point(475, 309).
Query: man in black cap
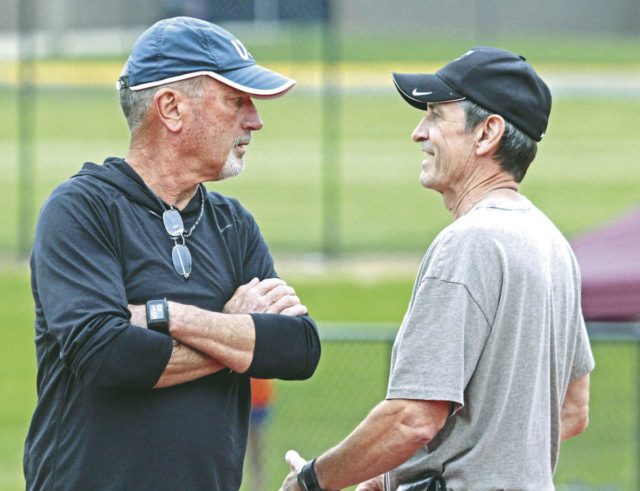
point(156, 301)
point(490, 368)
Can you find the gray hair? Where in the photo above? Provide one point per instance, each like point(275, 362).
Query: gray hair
point(135, 103)
point(516, 150)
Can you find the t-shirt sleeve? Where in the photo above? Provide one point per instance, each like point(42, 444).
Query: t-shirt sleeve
point(438, 345)
point(583, 361)
point(77, 280)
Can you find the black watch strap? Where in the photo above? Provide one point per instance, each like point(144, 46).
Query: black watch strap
point(158, 315)
point(307, 478)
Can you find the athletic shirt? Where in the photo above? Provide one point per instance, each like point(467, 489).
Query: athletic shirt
point(100, 245)
point(494, 326)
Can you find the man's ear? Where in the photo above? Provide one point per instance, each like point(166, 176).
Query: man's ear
point(166, 103)
point(491, 131)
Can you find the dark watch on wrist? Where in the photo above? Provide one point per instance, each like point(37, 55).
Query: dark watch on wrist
point(158, 315)
point(307, 478)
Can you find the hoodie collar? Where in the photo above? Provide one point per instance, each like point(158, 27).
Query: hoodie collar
point(119, 174)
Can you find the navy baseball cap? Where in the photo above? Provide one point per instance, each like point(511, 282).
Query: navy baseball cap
point(183, 47)
point(498, 80)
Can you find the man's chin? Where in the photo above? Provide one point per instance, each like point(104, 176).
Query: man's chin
point(231, 169)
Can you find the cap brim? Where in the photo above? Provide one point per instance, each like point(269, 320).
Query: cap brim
point(258, 81)
point(418, 89)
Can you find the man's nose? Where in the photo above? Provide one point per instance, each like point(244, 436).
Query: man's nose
point(421, 132)
point(252, 120)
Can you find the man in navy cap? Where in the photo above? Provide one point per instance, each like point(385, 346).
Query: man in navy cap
point(490, 368)
point(156, 301)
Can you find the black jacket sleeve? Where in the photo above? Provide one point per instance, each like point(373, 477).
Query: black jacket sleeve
point(78, 285)
point(286, 347)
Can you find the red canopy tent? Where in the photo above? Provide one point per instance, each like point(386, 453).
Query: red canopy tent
point(609, 261)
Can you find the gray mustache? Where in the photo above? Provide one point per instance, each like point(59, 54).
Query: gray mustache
point(242, 140)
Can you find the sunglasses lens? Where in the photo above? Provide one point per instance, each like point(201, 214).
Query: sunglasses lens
point(173, 223)
point(181, 260)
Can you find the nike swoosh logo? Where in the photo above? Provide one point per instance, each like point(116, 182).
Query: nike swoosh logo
point(418, 94)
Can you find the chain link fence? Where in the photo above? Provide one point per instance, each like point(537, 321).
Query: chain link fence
point(334, 172)
point(313, 416)
point(335, 155)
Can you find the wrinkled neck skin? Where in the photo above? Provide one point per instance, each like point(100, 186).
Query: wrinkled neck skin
point(164, 171)
point(478, 188)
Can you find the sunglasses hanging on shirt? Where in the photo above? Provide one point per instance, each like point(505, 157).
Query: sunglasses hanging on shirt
point(180, 254)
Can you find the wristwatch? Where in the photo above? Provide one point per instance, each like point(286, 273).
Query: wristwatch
point(307, 478)
point(158, 315)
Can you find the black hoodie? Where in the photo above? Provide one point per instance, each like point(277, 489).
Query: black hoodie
point(100, 245)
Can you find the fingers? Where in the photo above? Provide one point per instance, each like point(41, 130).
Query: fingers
point(375, 484)
point(265, 286)
point(284, 303)
point(295, 310)
point(272, 296)
point(277, 296)
point(247, 286)
point(238, 303)
point(294, 460)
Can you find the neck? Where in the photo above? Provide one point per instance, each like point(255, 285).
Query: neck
point(502, 185)
point(162, 175)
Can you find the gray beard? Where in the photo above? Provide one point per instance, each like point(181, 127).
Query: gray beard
point(234, 165)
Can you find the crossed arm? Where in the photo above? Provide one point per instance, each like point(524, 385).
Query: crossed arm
point(205, 342)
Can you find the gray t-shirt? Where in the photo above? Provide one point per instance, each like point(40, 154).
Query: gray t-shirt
point(494, 326)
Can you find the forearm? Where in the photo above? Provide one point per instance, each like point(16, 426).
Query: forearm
point(279, 342)
point(385, 439)
point(574, 417)
point(229, 339)
point(570, 427)
point(185, 365)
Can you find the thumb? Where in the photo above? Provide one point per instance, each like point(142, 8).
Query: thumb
point(254, 281)
point(294, 460)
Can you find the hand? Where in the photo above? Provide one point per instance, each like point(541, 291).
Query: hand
point(375, 484)
point(270, 296)
point(138, 315)
point(295, 464)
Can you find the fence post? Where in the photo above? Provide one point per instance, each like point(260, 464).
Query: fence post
point(26, 122)
point(331, 130)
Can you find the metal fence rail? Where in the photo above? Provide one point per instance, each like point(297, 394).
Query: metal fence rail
point(352, 378)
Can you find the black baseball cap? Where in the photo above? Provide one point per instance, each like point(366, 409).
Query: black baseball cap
point(496, 79)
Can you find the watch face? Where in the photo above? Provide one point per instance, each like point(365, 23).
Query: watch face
point(156, 311)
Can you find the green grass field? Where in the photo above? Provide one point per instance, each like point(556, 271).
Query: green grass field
point(586, 173)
